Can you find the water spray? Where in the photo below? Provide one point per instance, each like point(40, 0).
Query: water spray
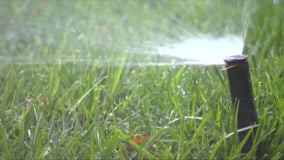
point(242, 97)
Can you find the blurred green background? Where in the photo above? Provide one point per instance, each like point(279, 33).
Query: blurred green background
point(67, 93)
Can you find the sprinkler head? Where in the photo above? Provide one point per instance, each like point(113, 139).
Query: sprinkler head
point(235, 59)
point(242, 96)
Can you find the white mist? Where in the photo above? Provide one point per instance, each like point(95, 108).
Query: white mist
point(204, 50)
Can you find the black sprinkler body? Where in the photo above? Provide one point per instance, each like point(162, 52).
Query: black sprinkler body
point(242, 96)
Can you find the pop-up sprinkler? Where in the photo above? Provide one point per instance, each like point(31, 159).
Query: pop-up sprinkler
point(242, 96)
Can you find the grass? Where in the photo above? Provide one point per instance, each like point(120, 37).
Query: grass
point(52, 107)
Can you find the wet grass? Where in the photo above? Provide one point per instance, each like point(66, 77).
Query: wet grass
point(53, 109)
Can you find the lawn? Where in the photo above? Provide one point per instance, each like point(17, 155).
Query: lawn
point(73, 83)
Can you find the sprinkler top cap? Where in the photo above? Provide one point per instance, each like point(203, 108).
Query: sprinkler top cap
point(235, 59)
